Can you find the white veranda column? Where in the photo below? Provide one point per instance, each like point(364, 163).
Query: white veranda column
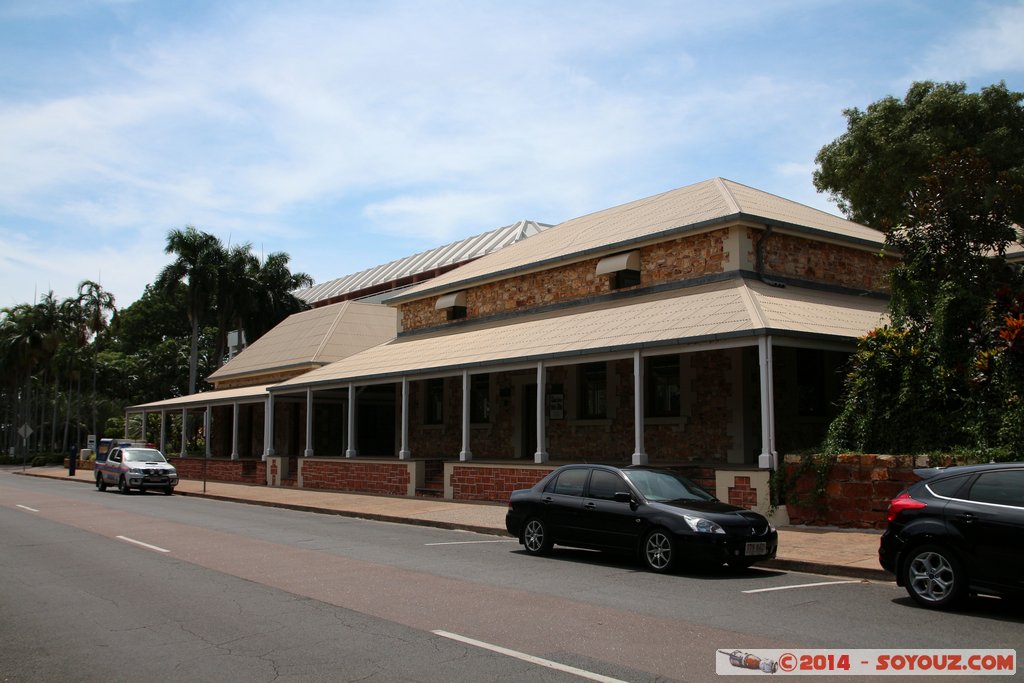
point(769, 458)
point(351, 452)
point(268, 427)
point(163, 431)
point(465, 455)
point(234, 431)
point(639, 454)
point(541, 455)
point(184, 426)
point(404, 453)
point(309, 422)
point(207, 426)
point(145, 418)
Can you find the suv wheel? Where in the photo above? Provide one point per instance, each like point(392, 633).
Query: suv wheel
point(100, 484)
point(934, 577)
point(122, 485)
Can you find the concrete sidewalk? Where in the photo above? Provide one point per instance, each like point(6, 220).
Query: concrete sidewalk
point(810, 549)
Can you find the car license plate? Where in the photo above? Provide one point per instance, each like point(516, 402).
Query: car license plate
point(756, 548)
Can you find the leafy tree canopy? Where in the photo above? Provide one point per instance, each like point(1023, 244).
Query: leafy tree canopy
point(874, 170)
point(942, 173)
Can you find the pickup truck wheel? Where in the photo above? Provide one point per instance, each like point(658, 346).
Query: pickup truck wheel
point(100, 484)
point(169, 491)
point(122, 485)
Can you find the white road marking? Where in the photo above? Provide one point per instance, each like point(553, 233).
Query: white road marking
point(26, 507)
point(144, 545)
point(565, 668)
point(504, 540)
point(803, 585)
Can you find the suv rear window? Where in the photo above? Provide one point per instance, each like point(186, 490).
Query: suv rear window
point(947, 488)
point(1005, 487)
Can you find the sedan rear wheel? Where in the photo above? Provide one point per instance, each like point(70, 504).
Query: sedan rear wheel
point(934, 577)
point(122, 485)
point(659, 551)
point(536, 538)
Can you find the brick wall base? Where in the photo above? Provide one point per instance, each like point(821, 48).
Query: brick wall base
point(221, 469)
point(489, 482)
point(389, 478)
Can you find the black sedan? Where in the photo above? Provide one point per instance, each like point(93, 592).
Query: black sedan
point(658, 515)
point(960, 530)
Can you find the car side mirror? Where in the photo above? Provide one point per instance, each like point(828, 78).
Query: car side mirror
point(623, 497)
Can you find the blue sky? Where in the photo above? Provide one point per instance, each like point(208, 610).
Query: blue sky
point(348, 134)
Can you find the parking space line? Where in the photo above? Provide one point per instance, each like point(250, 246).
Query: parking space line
point(802, 585)
point(565, 668)
point(144, 545)
point(503, 540)
point(26, 507)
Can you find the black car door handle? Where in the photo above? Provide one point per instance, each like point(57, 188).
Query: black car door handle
point(547, 500)
point(590, 506)
point(965, 517)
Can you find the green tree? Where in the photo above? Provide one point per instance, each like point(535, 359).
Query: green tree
point(96, 303)
point(198, 257)
point(273, 295)
point(941, 172)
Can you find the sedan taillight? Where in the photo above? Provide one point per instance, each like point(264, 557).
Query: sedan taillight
point(903, 502)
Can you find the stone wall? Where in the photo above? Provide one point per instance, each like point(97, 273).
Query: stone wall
point(857, 489)
point(220, 469)
point(824, 262)
point(468, 481)
point(675, 260)
point(374, 477)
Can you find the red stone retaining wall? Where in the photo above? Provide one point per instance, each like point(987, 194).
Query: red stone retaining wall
point(219, 469)
point(472, 482)
point(857, 491)
point(380, 478)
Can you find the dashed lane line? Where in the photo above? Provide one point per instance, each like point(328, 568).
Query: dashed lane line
point(802, 585)
point(144, 545)
point(547, 663)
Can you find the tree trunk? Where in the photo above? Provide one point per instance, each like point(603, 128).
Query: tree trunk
point(193, 358)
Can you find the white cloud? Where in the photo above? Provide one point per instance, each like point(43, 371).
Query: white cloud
point(990, 47)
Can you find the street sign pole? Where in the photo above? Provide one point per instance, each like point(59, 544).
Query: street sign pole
point(25, 431)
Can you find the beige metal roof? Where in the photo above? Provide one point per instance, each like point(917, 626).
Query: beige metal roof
point(253, 394)
point(734, 308)
point(313, 338)
point(712, 202)
point(424, 262)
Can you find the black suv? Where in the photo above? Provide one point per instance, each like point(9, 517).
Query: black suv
point(959, 530)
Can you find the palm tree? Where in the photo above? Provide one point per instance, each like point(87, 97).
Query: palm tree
point(96, 302)
point(235, 286)
point(199, 255)
point(274, 294)
point(28, 339)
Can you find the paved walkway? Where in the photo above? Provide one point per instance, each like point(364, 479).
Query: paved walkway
point(812, 549)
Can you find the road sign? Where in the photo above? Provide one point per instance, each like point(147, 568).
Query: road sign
point(25, 431)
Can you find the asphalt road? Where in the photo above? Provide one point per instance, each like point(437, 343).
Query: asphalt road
point(101, 586)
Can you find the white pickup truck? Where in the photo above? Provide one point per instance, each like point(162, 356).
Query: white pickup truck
point(132, 467)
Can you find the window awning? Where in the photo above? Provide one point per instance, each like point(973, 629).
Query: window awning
point(453, 300)
point(736, 308)
point(630, 260)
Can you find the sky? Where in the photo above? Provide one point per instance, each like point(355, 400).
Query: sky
point(349, 134)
